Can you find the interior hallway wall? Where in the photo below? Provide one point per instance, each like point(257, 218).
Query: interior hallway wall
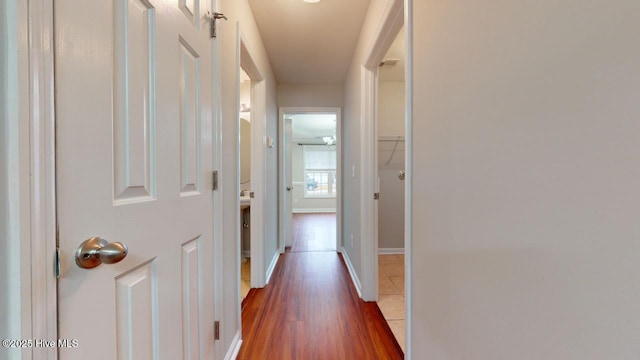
point(303, 95)
point(526, 165)
point(352, 137)
point(391, 95)
point(238, 11)
point(391, 160)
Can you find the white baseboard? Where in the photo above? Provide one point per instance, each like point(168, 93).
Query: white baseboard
point(272, 266)
point(352, 272)
point(311, 211)
point(234, 347)
point(391, 251)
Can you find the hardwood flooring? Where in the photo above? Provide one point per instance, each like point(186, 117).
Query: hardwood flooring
point(311, 311)
point(313, 232)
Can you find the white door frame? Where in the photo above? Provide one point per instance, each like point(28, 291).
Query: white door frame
point(284, 195)
point(218, 209)
point(31, 151)
point(397, 13)
point(31, 192)
point(386, 34)
point(281, 176)
point(246, 61)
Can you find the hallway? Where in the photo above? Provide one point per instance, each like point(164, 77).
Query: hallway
point(313, 232)
point(310, 310)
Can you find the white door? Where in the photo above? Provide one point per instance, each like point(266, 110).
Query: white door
point(134, 161)
point(288, 182)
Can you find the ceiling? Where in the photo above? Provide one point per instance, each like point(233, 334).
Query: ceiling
point(310, 43)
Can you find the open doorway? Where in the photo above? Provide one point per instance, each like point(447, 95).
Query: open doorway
point(390, 145)
point(245, 183)
point(310, 179)
point(393, 134)
point(251, 188)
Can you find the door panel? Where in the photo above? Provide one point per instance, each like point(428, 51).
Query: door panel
point(288, 180)
point(134, 72)
point(134, 158)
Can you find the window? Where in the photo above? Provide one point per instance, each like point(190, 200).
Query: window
point(320, 170)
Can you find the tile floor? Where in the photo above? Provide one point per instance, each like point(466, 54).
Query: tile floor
point(391, 293)
point(245, 278)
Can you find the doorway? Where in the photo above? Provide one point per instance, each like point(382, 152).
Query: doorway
point(310, 179)
point(251, 188)
point(390, 114)
point(245, 182)
point(372, 154)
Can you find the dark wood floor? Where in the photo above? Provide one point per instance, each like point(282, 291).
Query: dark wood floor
point(311, 311)
point(313, 232)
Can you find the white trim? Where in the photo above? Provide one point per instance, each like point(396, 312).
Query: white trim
point(43, 186)
point(352, 272)
point(245, 59)
point(16, 256)
point(408, 193)
point(385, 35)
point(282, 220)
point(317, 197)
point(272, 266)
point(218, 198)
point(390, 251)
point(368, 185)
point(339, 174)
point(31, 183)
point(314, 210)
point(234, 347)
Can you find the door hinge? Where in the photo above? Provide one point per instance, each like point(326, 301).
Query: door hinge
point(216, 330)
point(376, 196)
point(214, 176)
point(213, 17)
point(56, 263)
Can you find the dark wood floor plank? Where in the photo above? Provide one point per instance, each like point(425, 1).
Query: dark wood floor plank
point(310, 310)
point(313, 232)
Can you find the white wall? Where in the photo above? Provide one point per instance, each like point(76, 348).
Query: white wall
point(391, 105)
point(239, 11)
point(301, 95)
point(351, 135)
point(300, 203)
point(526, 165)
point(391, 108)
point(245, 153)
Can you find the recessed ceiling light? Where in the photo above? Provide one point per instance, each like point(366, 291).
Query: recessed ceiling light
point(311, 1)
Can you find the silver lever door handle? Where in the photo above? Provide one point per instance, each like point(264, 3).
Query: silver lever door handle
point(95, 251)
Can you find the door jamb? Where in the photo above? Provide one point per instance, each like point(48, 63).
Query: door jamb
point(33, 153)
point(339, 175)
point(218, 196)
point(385, 35)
